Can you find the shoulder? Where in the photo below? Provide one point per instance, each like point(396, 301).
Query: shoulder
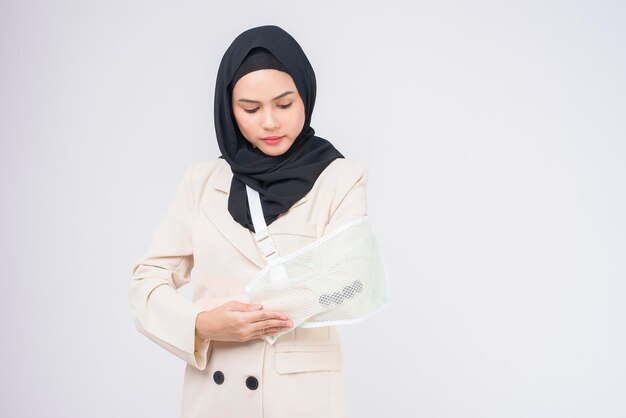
point(199, 173)
point(347, 172)
point(347, 166)
point(204, 169)
point(344, 179)
point(347, 191)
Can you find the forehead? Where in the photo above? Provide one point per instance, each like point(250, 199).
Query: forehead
point(265, 81)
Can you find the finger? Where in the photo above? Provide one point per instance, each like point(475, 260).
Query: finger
point(269, 332)
point(271, 323)
point(272, 331)
point(236, 305)
point(265, 315)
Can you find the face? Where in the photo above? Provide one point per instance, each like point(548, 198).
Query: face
point(268, 110)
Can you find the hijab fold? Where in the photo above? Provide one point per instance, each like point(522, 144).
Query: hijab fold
point(280, 180)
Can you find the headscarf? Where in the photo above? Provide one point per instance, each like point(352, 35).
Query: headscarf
point(258, 58)
point(280, 180)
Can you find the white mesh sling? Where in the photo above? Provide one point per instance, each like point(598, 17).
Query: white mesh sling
point(339, 278)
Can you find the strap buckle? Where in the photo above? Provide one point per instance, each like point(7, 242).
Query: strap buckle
point(266, 244)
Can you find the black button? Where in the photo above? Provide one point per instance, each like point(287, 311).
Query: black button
point(252, 383)
point(218, 377)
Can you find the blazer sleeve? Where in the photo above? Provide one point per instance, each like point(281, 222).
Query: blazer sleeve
point(350, 200)
point(158, 310)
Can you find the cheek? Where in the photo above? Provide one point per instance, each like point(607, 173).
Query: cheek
point(298, 117)
point(242, 121)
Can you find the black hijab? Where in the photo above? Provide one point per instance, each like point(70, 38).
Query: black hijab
point(280, 180)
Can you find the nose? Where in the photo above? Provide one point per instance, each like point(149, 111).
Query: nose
point(270, 122)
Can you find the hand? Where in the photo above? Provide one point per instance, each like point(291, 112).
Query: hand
point(238, 321)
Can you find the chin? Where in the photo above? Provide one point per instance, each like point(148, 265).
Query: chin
point(274, 151)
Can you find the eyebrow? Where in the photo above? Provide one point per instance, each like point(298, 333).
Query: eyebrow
point(275, 98)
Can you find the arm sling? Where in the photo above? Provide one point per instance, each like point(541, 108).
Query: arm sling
point(340, 278)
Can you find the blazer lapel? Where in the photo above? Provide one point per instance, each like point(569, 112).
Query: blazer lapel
point(214, 204)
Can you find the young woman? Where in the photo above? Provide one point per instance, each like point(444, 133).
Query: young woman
point(264, 98)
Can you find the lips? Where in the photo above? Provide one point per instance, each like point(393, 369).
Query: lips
point(272, 139)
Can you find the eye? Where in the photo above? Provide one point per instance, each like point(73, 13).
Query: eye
point(287, 106)
point(251, 110)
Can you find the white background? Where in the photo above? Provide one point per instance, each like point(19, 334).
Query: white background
point(494, 134)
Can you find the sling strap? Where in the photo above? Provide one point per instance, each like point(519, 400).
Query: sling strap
point(263, 239)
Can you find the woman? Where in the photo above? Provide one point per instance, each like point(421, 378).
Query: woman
point(264, 98)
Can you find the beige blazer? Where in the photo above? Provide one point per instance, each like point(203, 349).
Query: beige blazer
point(198, 240)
